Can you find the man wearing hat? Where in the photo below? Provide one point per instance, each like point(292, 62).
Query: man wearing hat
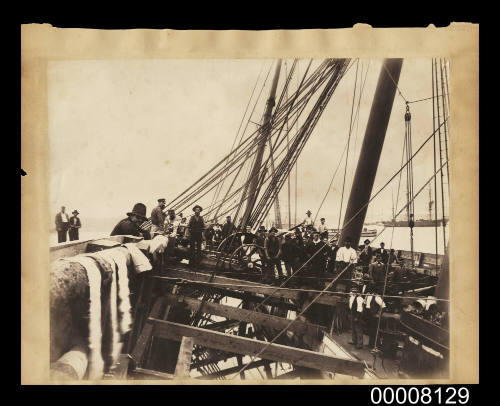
point(196, 227)
point(365, 257)
point(158, 218)
point(317, 253)
point(374, 306)
point(131, 225)
point(272, 249)
point(384, 254)
point(308, 221)
point(74, 225)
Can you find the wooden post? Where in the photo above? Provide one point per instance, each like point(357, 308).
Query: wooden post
point(184, 361)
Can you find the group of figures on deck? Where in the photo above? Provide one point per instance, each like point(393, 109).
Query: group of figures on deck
point(67, 225)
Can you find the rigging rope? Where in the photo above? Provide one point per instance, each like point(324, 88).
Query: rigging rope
point(348, 142)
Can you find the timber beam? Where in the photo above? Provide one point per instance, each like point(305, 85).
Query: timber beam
point(246, 286)
point(298, 327)
point(235, 369)
point(247, 346)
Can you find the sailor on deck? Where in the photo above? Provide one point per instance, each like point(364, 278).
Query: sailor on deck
point(322, 228)
point(196, 227)
point(346, 256)
point(356, 305)
point(158, 218)
point(74, 225)
point(62, 224)
point(308, 221)
point(272, 248)
point(131, 225)
point(383, 252)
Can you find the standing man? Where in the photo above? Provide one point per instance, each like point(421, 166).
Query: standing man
point(346, 256)
point(196, 227)
point(308, 221)
point(384, 254)
point(323, 231)
point(374, 306)
point(365, 257)
point(317, 253)
point(62, 224)
point(74, 225)
point(158, 218)
point(356, 302)
point(227, 228)
point(272, 249)
point(131, 225)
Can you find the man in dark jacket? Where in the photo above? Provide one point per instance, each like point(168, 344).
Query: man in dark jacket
point(131, 225)
point(158, 218)
point(62, 224)
point(74, 225)
point(196, 227)
point(365, 257)
point(227, 228)
point(290, 253)
point(272, 248)
point(317, 254)
point(383, 252)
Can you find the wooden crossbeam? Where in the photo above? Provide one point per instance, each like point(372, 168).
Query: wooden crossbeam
point(184, 360)
point(151, 374)
point(222, 325)
point(146, 333)
point(247, 346)
point(271, 301)
point(247, 286)
point(235, 369)
point(232, 313)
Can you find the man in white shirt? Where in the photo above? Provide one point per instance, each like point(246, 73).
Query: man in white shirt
point(346, 255)
point(356, 306)
point(308, 221)
point(62, 224)
point(323, 231)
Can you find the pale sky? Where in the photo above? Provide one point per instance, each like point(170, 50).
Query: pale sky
point(127, 131)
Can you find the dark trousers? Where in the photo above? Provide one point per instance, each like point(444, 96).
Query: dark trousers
point(73, 234)
point(195, 248)
point(371, 326)
point(357, 328)
point(274, 262)
point(62, 234)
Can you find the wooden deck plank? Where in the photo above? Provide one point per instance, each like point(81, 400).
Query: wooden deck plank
point(184, 360)
point(247, 346)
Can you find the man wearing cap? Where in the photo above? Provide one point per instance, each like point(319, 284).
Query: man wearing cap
point(227, 228)
point(323, 231)
point(196, 227)
point(384, 254)
point(272, 249)
point(317, 254)
point(62, 224)
point(308, 221)
point(74, 225)
point(158, 218)
point(131, 225)
point(365, 257)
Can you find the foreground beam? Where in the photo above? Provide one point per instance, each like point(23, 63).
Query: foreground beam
point(246, 286)
point(233, 313)
point(247, 346)
point(184, 361)
point(233, 370)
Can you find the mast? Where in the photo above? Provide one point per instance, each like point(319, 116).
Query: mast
point(264, 135)
point(371, 149)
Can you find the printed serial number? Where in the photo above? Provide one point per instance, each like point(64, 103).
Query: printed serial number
point(414, 395)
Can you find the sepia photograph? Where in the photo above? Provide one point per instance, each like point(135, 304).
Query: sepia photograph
point(281, 219)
